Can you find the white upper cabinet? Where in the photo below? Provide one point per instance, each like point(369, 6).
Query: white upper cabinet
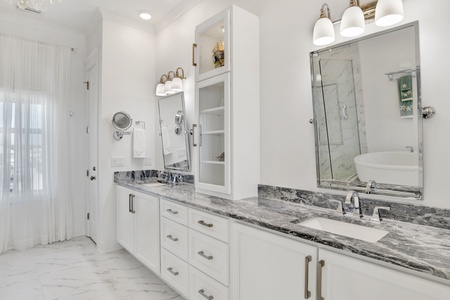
point(226, 133)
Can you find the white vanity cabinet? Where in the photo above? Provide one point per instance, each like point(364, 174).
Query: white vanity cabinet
point(226, 130)
point(267, 266)
point(138, 226)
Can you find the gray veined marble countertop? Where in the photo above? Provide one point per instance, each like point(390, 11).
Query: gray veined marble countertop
point(416, 247)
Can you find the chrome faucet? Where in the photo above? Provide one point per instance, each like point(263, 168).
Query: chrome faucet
point(411, 148)
point(340, 208)
point(371, 186)
point(376, 212)
point(353, 198)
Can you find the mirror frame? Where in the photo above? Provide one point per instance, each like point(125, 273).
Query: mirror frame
point(117, 125)
point(393, 190)
point(182, 122)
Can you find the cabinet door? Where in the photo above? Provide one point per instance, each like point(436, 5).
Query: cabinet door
point(212, 51)
point(125, 218)
point(213, 141)
point(147, 230)
point(266, 266)
point(344, 278)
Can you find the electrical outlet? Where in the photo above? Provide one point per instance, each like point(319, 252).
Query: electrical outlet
point(147, 161)
point(118, 161)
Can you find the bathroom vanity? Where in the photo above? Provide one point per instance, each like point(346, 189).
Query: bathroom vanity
point(257, 248)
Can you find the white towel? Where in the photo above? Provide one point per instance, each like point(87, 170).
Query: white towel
point(167, 144)
point(139, 143)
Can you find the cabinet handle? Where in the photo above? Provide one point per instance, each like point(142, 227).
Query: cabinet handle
point(129, 203)
point(172, 271)
point(192, 132)
point(307, 261)
point(202, 292)
point(201, 222)
point(173, 212)
point(194, 45)
point(170, 237)
point(321, 264)
point(132, 204)
point(202, 254)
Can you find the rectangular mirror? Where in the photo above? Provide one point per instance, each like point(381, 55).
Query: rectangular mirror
point(367, 114)
point(174, 139)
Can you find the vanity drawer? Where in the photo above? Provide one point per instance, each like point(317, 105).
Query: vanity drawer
point(210, 256)
point(175, 271)
point(209, 224)
point(204, 287)
point(174, 238)
point(174, 212)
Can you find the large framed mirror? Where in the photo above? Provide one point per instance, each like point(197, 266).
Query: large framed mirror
point(174, 138)
point(367, 114)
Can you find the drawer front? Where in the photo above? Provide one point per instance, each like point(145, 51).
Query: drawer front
point(210, 256)
point(175, 271)
point(174, 238)
point(174, 212)
point(203, 287)
point(209, 224)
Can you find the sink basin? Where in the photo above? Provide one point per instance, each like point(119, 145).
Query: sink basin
point(153, 184)
point(359, 232)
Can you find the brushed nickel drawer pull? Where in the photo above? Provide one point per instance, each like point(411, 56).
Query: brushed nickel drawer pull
point(201, 222)
point(193, 54)
point(173, 272)
point(173, 212)
point(319, 280)
point(202, 292)
point(170, 237)
point(202, 254)
point(307, 261)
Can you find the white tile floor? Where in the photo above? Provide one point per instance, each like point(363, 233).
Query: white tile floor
point(75, 270)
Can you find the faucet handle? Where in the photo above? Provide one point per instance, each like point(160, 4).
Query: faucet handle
point(376, 212)
point(340, 208)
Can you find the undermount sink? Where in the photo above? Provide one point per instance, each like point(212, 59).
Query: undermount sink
point(359, 232)
point(153, 184)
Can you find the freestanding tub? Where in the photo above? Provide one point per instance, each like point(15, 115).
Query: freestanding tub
point(400, 168)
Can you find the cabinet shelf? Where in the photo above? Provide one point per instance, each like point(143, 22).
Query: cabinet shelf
point(213, 132)
point(213, 162)
point(212, 110)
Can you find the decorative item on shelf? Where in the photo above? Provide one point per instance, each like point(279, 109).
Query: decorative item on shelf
point(38, 6)
point(171, 83)
point(221, 157)
point(218, 56)
point(385, 13)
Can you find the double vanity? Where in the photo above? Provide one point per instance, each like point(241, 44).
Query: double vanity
point(263, 248)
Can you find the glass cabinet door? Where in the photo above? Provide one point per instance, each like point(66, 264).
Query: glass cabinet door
point(213, 124)
point(212, 49)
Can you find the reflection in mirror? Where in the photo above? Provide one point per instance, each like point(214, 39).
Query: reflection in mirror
point(366, 98)
point(175, 142)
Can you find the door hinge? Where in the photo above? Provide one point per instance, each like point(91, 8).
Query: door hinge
point(87, 173)
point(88, 216)
point(87, 85)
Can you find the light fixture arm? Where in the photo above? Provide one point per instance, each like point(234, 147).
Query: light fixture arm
point(325, 11)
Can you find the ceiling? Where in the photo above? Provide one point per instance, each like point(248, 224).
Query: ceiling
point(78, 14)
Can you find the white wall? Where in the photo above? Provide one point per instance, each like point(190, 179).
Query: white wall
point(287, 139)
point(127, 84)
point(17, 25)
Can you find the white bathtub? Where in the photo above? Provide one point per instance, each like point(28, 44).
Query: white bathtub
point(389, 167)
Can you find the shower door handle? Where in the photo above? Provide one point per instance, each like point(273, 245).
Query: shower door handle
point(344, 112)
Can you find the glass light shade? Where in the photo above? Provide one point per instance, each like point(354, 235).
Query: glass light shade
point(388, 12)
point(160, 90)
point(177, 84)
point(353, 23)
point(168, 87)
point(323, 32)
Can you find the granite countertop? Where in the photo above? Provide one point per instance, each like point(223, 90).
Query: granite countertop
point(417, 247)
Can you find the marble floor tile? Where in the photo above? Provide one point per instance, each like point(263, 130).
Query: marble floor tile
point(74, 270)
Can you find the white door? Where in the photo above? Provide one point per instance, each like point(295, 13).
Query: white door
point(92, 86)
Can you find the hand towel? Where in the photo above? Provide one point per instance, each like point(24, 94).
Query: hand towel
point(406, 96)
point(167, 144)
point(139, 143)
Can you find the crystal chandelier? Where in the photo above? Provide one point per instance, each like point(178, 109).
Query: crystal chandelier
point(36, 5)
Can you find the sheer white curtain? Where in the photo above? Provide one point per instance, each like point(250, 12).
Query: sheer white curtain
point(35, 195)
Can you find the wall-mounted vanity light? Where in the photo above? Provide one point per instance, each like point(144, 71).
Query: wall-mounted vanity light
point(171, 83)
point(385, 13)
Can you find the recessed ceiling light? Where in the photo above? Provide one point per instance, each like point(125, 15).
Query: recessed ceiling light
point(145, 15)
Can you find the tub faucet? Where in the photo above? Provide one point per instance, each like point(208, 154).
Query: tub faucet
point(353, 198)
point(371, 186)
point(411, 148)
